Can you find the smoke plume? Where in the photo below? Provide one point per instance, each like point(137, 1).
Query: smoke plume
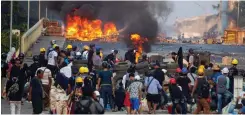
point(139, 16)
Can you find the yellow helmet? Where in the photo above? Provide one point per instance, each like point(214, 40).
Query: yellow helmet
point(200, 71)
point(234, 62)
point(86, 47)
point(79, 80)
point(42, 50)
point(69, 46)
point(55, 45)
point(83, 70)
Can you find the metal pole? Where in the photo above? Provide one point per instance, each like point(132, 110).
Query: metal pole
point(46, 12)
point(28, 15)
point(238, 11)
point(11, 21)
point(39, 16)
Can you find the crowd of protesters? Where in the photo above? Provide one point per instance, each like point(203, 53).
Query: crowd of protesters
point(53, 83)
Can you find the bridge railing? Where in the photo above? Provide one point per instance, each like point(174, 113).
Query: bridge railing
point(30, 37)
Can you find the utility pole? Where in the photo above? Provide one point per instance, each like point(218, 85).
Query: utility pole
point(11, 21)
point(28, 15)
point(39, 16)
point(238, 11)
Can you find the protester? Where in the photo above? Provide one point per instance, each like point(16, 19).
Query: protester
point(85, 52)
point(33, 67)
point(192, 76)
point(184, 82)
point(52, 60)
point(14, 87)
point(71, 82)
point(119, 96)
point(177, 97)
point(63, 59)
point(73, 52)
point(46, 83)
point(135, 93)
point(216, 73)
point(4, 71)
point(153, 95)
point(97, 59)
point(175, 58)
point(90, 57)
point(222, 85)
point(105, 84)
point(36, 93)
point(98, 98)
point(233, 71)
point(111, 58)
point(68, 50)
point(51, 47)
point(41, 57)
point(190, 58)
point(201, 90)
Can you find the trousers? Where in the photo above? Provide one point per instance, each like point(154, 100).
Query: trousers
point(61, 107)
point(15, 107)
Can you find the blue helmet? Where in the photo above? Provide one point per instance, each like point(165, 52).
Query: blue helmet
point(184, 70)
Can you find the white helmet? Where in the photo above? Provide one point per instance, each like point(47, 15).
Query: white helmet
point(97, 93)
point(53, 42)
point(225, 70)
point(137, 77)
point(164, 70)
point(78, 53)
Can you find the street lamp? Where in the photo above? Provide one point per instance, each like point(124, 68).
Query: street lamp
point(238, 10)
point(39, 10)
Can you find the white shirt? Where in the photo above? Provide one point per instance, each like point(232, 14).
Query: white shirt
point(46, 75)
point(66, 71)
point(51, 57)
point(85, 55)
point(125, 79)
point(191, 78)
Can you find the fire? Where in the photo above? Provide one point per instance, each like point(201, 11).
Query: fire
point(138, 42)
point(86, 30)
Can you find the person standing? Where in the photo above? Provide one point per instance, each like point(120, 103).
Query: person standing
point(105, 84)
point(233, 71)
point(201, 88)
point(190, 58)
point(216, 73)
point(85, 52)
point(222, 85)
point(135, 93)
point(192, 76)
point(36, 93)
point(14, 87)
point(53, 60)
point(51, 47)
point(46, 83)
point(68, 50)
point(153, 95)
point(90, 57)
point(33, 67)
point(42, 58)
point(184, 82)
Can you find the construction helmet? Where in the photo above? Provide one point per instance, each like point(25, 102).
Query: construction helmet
point(184, 70)
point(55, 45)
point(83, 70)
point(178, 70)
point(234, 62)
point(69, 46)
point(79, 80)
point(200, 71)
point(172, 81)
point(86, 47)
point(42, 50)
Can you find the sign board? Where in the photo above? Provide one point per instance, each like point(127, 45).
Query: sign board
point(238, 86)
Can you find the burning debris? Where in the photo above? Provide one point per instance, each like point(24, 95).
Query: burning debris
point(89, 30)
point(138, 43)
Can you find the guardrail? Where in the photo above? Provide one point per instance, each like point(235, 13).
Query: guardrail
point(30, 37)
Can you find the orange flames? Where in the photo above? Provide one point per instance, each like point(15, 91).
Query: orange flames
point(138, 42)
point(86, 30)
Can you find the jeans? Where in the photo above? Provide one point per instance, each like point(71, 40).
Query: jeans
point(219, 104)
point(15, 107)
point(182, 105)
point(106, 93)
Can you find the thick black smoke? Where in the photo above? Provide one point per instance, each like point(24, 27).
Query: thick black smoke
point(139, 16)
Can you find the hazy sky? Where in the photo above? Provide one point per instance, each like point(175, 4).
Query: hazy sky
point(185, 9)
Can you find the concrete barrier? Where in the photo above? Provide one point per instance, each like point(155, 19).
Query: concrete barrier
point(30, 37)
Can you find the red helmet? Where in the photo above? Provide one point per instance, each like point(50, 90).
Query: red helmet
point(172, 81)
point(178, 70)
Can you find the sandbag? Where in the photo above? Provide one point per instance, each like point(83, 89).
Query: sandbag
point(141, 65)
point(172, 66)
point(121, 66)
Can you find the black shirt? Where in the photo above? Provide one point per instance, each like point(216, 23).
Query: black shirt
point(37, 91)
point(4, 68)
point(183, 82)
point(159, 75)
point(72, 82)
point(110, 58)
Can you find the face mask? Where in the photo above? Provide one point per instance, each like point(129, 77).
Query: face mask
point(79, 84)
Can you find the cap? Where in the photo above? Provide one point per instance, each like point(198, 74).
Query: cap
point(225, 70)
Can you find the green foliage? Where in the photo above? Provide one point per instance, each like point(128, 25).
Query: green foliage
point(5, 41)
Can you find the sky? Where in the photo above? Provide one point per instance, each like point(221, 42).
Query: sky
point(186, 9)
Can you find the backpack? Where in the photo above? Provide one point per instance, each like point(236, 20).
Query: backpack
point(14, 88)
point(83, 107)
point(204, 90)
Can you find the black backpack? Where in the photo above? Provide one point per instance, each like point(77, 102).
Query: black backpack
point(204, 90)
point(83, 106)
